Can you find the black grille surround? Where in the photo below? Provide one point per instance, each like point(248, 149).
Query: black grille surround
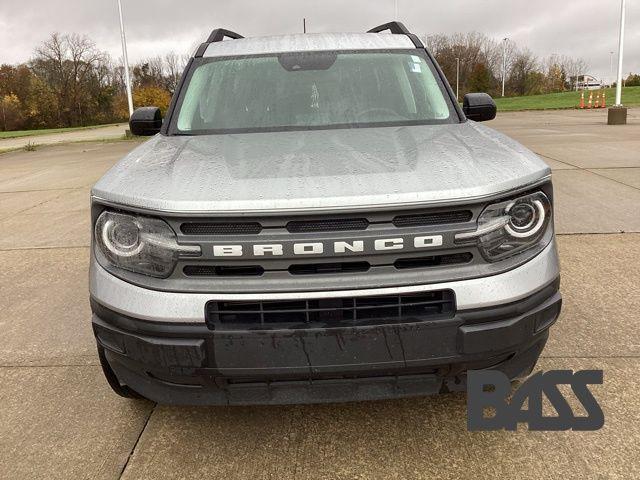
point(331, 312)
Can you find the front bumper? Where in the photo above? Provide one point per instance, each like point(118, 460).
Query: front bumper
point(191, 364)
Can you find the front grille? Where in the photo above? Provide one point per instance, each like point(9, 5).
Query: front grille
point(208, 228)
point(349, 254)
point(436, 218)
point(403, 308)
point(332, 225)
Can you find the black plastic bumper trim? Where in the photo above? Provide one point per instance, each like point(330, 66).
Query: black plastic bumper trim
point(179, 359)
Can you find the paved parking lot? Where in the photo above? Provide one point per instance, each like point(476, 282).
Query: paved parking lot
point(58, 419)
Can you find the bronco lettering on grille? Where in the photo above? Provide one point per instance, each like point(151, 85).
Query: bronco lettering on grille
point(327, 248)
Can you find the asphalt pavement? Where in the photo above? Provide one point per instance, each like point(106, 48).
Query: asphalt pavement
point(58, 418)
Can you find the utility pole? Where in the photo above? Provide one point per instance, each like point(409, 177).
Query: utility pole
point(504, 63)
point(127, 78)
point(304, 25)
point(618, 114)
point(457, 79)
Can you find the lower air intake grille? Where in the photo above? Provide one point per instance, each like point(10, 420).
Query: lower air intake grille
point(404, 308)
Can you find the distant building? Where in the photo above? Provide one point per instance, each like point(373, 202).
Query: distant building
point(589, 82)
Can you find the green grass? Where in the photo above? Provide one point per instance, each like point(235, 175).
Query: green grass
point(630, 97)
point(34, 146)
point(31, 133)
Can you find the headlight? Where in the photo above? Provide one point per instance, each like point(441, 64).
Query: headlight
point(138, 244)
point(511, 227)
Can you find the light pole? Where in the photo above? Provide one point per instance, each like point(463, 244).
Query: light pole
point(611, 64)
point(457, 79)
point(504, 63)
point(617, 114)
point(620, 54)
point(127, 78)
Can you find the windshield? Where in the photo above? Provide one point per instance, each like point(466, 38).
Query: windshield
point(312, 90)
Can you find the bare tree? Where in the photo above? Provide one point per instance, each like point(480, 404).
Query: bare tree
point(175, 64)
point(68, 63)
point(574, 68)
point(476, 53)
point(521, 76)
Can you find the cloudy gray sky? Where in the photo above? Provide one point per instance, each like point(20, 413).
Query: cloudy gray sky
point(581, 28)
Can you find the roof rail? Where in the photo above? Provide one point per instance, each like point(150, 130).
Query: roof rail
point(397, 28)
point(218, 35)
point(394, 27)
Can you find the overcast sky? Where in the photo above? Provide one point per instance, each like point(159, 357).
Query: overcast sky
point(581, 28)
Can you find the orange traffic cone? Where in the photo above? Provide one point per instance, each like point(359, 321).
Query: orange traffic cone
point(604, 99)
point(597, 104)
point(590, 99)
point(582, 100)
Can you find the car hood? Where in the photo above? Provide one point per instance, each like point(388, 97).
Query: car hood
point(320, 169)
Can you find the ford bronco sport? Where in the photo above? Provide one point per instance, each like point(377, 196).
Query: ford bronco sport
point(317, 219)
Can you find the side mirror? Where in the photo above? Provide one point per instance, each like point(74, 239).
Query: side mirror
point(479, 107)
point(145, 121)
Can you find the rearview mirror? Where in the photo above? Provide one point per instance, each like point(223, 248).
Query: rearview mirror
point(145, 121)
point(479, 107)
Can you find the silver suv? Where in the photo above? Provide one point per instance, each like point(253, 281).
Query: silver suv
point(317, 219)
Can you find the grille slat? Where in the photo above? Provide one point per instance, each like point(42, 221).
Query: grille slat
point(435, 218)
point(222, 271)
point(331, 225)
point(208, 228)
point(433, 261)
point(338, 311)
point(327, 268)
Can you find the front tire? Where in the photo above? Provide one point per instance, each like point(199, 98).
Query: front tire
point(120, 389)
